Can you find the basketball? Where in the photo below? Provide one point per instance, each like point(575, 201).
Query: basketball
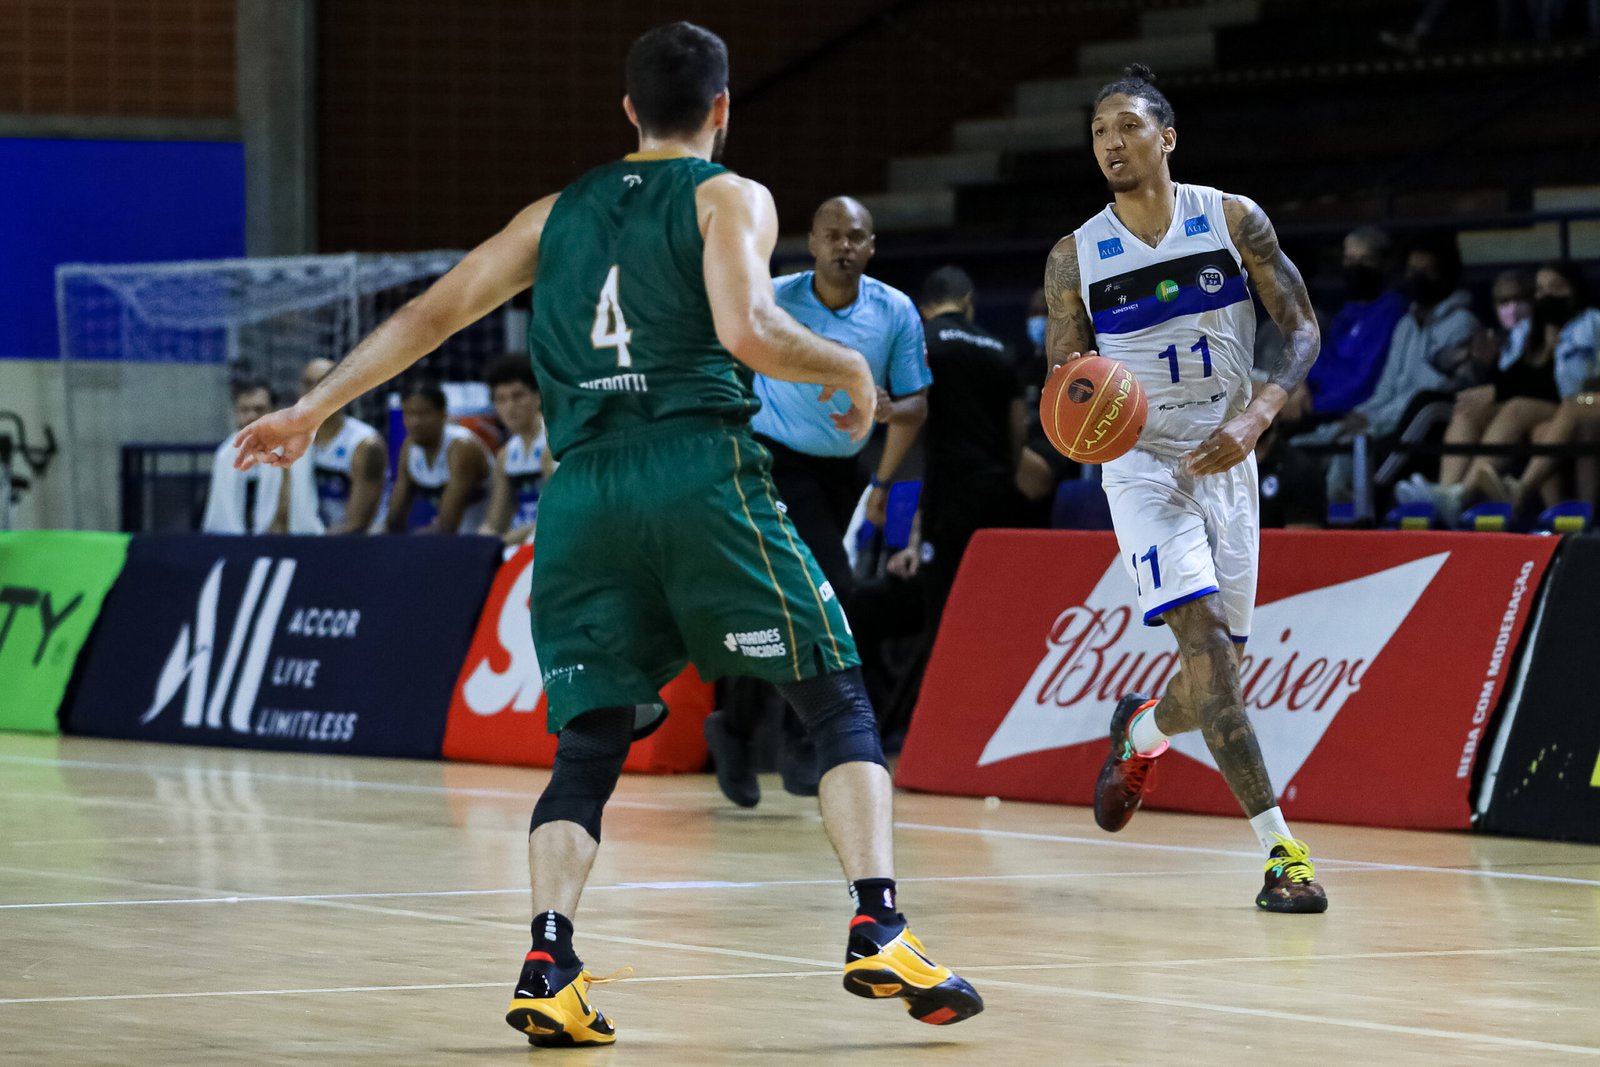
point(1093, 409)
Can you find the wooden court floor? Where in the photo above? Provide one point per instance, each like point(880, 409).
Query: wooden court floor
point(164, 905)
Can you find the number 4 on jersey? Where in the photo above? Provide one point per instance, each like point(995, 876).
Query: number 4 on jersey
point(610, 328)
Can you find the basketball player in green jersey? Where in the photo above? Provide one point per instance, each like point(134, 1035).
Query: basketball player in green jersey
point(661, 538)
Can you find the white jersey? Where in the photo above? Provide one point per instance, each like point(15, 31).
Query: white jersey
point(525, 472)
point(331, 463)
point(1178, 315)
point(431, 478)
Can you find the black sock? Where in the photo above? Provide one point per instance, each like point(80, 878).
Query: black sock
point(875, 899)
point(552, 935)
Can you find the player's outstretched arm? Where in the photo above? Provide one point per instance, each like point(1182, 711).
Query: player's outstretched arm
point(1283, 293)
point(491, 274)
point(1068, 331)
point(740, 226)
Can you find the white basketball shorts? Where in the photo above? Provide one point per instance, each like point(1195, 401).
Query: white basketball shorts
point(1183, 537)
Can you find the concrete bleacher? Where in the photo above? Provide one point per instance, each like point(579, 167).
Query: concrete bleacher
point(1447, 134)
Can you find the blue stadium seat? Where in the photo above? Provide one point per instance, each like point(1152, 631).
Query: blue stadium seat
point(1342, 513)
point(1489, 517)
point(1080, 504)
point(1412, 517)
point(1569, 516)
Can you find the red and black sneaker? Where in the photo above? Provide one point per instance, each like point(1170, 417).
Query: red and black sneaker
point(1126, 776)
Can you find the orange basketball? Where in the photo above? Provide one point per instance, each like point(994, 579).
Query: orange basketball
point(1093, 409)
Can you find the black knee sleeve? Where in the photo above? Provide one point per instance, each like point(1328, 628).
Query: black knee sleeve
point(838, 715)
point(589, 754)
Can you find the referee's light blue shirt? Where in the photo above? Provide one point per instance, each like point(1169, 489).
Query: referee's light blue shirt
point(882, 325)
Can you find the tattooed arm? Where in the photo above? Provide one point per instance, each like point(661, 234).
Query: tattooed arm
point(1068, 333)
point(1283, 292)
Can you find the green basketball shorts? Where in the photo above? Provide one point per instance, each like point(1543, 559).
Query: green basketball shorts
point(668, 545)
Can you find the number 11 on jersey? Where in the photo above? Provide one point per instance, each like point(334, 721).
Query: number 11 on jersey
point(1202, 346)
point(610, 328)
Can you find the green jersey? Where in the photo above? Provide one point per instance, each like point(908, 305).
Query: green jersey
point(621, 334)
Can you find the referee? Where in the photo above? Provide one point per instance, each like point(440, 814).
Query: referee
point(816, 468)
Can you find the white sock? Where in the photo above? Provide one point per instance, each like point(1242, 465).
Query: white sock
point(1143, 733)
point(1267, 826)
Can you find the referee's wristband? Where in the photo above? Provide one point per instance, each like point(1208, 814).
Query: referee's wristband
point(876, 484)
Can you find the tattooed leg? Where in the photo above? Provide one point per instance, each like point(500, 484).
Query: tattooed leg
point(1205, 695)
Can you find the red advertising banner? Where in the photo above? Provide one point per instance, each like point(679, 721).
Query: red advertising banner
point(1375, 665)
point(497, 714)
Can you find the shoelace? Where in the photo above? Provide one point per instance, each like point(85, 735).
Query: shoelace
point(621, 974)
point(1297, 861)
point(1138, 773)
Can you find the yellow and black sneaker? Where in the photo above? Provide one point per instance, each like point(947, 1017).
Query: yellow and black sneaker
point(550, 1007)
point(888, 961)
point(1291, 885)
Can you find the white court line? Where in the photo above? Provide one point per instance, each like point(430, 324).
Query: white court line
point(335, 783)
point(1141, 999)
point(1354, 865)
point(1099, 842)
point(226, 897)
point(385, 988)
point(1145, 999)
point(1400, 954)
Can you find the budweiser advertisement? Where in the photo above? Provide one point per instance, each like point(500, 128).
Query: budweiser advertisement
point(497, 714)
point(1375, 666)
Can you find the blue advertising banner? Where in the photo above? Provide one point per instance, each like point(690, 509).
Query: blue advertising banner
point(338, 644)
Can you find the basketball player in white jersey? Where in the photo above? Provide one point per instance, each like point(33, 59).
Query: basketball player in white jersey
point(524, 461)
point(348, 460)
point(1158, 281)
point(442, 463)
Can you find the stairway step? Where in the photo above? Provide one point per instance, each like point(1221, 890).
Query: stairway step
point(915, 173)
point(1567, 198)
point(1178, 20)
point(926, 210)
point(1023, 132)
point(1185, 51)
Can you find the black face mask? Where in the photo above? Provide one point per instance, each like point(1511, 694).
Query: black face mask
point(1423, 289)
point(1554, 310)
point(1363, 282)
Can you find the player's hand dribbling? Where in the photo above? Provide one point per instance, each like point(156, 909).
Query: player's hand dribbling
point(1228, 445)
point(275, 440)
point(1059, 361)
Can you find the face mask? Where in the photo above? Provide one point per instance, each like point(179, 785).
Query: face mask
point(1554, 310)
point(1363, 282)
point(1423, 289)
point(1511, 312)
point(1036, 330)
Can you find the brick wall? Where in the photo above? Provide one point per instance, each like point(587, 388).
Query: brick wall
point(171, 58)
point(437, 122)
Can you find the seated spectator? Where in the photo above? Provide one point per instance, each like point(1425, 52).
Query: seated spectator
point(1564, 335)
point(443, 468)
point(524, 461)
point(348, 460)
point(1356, 341)
point(1424, 357)
point(259, 500)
